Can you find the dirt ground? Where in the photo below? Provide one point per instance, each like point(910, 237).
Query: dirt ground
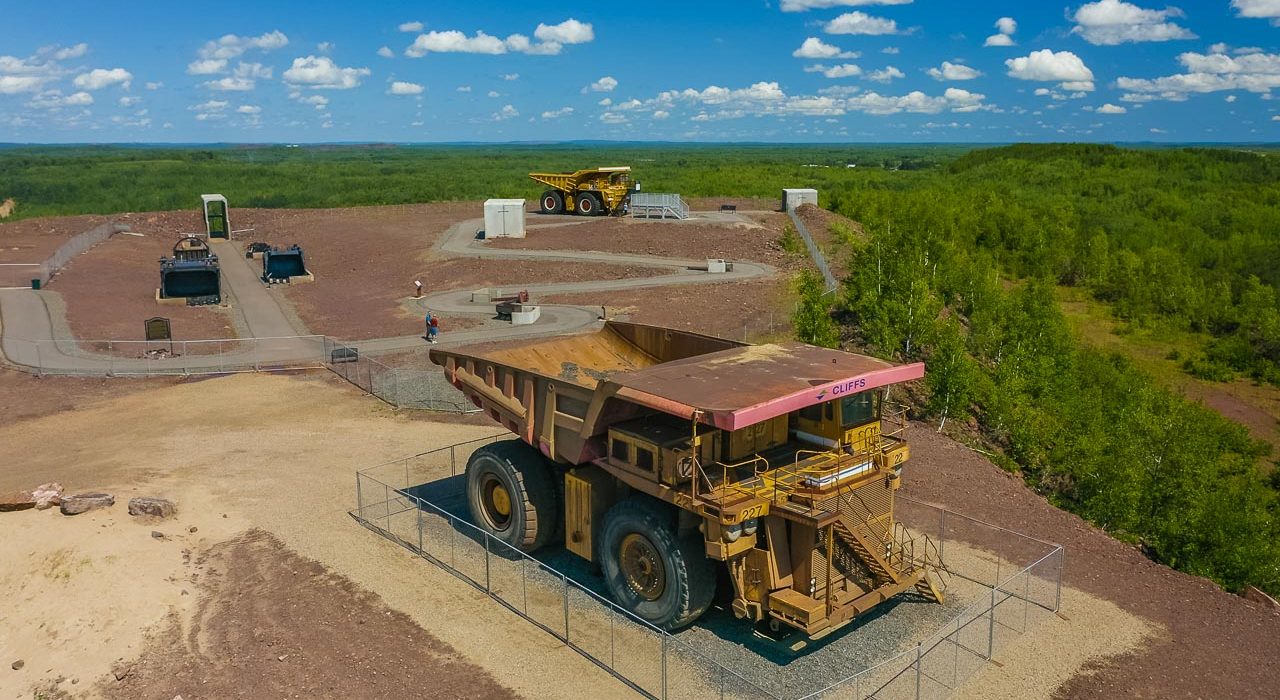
point(262, 606)
point(1217, 645)
point(34, 240)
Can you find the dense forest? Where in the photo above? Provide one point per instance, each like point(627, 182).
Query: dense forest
point(960, 269)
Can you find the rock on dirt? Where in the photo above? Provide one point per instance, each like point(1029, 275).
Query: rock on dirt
point(154, 507)
point(47, 495)
point(85, 502)
point(17, 665)
point(16, 500)
point(121, 669)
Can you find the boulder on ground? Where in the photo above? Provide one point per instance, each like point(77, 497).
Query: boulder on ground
point(85, 502)
point(47, 495)
point(16, 500)
point(155, 507)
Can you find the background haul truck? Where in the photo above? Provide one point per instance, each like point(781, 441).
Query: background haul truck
point(657, 452)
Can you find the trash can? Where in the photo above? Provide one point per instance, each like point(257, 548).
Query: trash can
point(35, 283)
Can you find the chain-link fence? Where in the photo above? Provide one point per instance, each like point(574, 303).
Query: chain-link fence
point(1006, 582)
point(124, 358)
point(25, 275)
point(405, 379)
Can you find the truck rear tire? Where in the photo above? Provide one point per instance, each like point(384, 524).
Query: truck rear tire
point(552, 202)
point(663, 578)
point(588, 205)
point(512, 494)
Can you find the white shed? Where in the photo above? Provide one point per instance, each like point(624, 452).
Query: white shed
point(217, 222)
point(504, 218)
point(793, 198)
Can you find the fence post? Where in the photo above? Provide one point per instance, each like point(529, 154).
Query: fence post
point(918, 655)
point(359, 497)
point(418, 502)
point(488, 586)
point(664, 664)
point(453, 461)
point(386, 504)
point(991, 625)
point(524, 583)
point(453, 544)
point(942, 536)
point(1062, 553)
point(564, 580)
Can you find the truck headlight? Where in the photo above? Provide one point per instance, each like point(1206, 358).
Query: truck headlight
point(749, 527)
point(732, 532)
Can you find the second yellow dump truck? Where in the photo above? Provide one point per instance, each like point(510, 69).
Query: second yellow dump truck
point(591, 192)
point(659, 452)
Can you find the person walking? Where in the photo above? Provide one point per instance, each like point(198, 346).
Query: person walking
point(433, 327)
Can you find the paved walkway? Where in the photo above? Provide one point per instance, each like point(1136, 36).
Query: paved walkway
point(27, 335)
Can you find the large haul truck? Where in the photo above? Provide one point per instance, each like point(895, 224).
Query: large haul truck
point(657, 453)
point(590, 192)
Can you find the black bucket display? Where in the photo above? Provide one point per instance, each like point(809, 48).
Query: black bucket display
point(192, 273)
point(280, 264)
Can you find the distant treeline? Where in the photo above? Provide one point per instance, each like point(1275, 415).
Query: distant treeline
point(961, 268)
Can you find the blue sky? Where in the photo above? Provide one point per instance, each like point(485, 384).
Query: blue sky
point(712, 70)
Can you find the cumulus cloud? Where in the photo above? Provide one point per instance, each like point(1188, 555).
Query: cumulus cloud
point(400, 87)
point(207, 66)
point(155, 86)
point(1047, 65)
point(1255, 72)
point(69, 52)
point(54, 99)
point(953, 71)
point(806, 5)
point(953, 99)
point(1005, 27)
point(860, 23)
point(507, 112)
point(249, 109)
point(570, 31)
point(454, 41)
point(99, 78)
point(887, 75)
point(386, 52)
point(1109, 108)
point(891, 50)
point(232, 46)
point(464, 88)
point(613, 118)
point(1258, 9)
point(1111, 22)
point(813, 47)
point(510, 76)
point(320, 72)
point(557, 113)
point(411, 27)
point(844, 70)
point(243, 79)
point(605, 84)
point(661, 114)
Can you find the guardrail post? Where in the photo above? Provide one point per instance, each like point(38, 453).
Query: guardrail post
point(918, 655)
point(991, 625)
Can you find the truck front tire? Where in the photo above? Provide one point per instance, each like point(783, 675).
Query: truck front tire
point(511, 492)
point(663, 578)
point(588, 204)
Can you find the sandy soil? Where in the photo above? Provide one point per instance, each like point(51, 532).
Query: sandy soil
point(755, 241)
point(262, 606)
point(271, 452)
point(1217, 644)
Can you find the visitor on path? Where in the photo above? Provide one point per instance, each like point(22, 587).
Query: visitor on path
point(433, 327)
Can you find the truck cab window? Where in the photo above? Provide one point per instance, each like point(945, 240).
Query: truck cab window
point(858, 409)
point(644, 458)
point(620, 451)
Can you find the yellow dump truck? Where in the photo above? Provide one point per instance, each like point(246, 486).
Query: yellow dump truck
point(592, 192)
point(659, 452)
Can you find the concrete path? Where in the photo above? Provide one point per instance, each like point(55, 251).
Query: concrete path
point(27, 335)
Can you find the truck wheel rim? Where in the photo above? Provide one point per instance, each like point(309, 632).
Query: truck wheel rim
point(586, 206)
point(497, 503)
point(642, 566)
point(549, 203)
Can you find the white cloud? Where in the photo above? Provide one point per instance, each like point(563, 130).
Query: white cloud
point(889, 74)
point(605, 84)
point(324, 46)
point(207, 66)
point(155, 86)
point(806, 5)
point(243, 79)
point(386, 52)
point(661, 114)
point(860, 23)
point(1230, 98)
point(999, 40)
point(317, 101)
point(891, 50)
point(1258, 9)
point(229, 84)
point(613, 118)
point(249, 109)
point(510, 76)
point(401, 87)
point(211, 110)
point(507, 112)
point(1005, 27)
point(99, 78)
point(1111, 22)
point(557, 113)
point(1109, 108)
point(1048, 66)
point(953, 99)
point(953, 71)
point(605, 102)
point(1255, 72)
point(464, 88)
point(54, 99)
point(231, 46)
point(570, 31)
point(813, 47)
point(844, 70)
point(128, 101)
point(411, 27)
point(494, 93)
point(320, 72)
point(454, 41)
point(63, 54)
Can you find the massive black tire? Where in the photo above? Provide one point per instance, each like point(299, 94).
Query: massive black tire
point(663, 578)
point(552, 202)
point(588, 204)
point(511, 491)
